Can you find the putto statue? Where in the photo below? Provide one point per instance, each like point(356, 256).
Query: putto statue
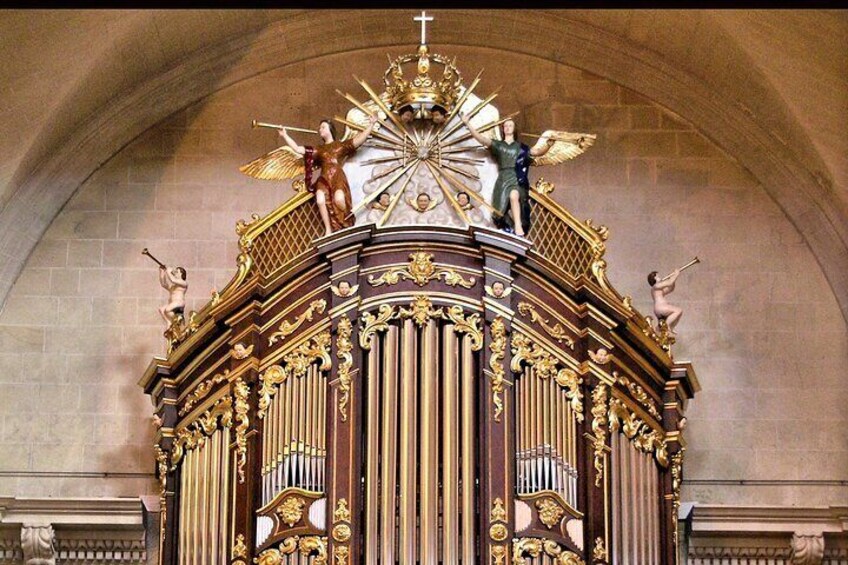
point(174, 281)
point(660, 288)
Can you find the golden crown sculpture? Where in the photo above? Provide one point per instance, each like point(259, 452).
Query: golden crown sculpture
point(423, 89)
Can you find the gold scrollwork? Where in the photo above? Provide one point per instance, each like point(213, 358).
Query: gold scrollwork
point(556, 331)
point(294, 365)
point(341, 555)
point(640, 394)
point(467, 325)
point(535, 547)
point(498, 554)
point(644, 437)
point(421, 310)
point(290, 510)
point(202, 391)
point(421, 271)
point(344, 346)
point(287, 328)
point(195, 434)
point(599, 552)
point(308, 546)
point(599, 439)
point(550, 512)
point(372, 324)
point(544, 187)
point(498, 376)
point(661, 334)
point(161, 470)
point(546, 367)
point(342, 532)
point(240, 393)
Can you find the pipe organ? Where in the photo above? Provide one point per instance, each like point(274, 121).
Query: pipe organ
point(421, 412)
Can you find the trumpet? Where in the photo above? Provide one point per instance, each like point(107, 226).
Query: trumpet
point(683, 268)
point(158, 262)
point(256, 124)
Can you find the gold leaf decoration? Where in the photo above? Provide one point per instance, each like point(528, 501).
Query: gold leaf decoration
point(545, 366)
point(599, 553)
point(556, 331)
point(202, 391)
point(344, 346)
point(550, 512)
point(290, 511)
point(645, 438)
point(497, 378)
point(239, 351)
point(421, 271)
point(372, 324)
point(498, 513)
point(599, 420)
point(640, 394)
point(294, 365)
point(195, 434)
point(469, 325)
point(421, 310)
point(241, 392)
point(239, 549)
point(287, 328)
point(536, 547)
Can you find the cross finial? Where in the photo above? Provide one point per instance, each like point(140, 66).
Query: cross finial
point(423, 18)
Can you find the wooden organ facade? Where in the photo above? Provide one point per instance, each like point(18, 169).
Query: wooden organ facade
point(418, 394)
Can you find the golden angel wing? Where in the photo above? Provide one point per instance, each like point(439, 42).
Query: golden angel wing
point(280, 164)
point(566, 146)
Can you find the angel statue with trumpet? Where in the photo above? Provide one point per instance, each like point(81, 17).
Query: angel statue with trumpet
point(332, 191)
point(511, 199)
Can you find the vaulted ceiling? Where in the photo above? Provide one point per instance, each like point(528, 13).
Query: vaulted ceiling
point(770, 88)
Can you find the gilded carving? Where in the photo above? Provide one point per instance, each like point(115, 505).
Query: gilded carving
point(498, 513)
point(421, 310)
point(372, 324)
point(240, 392)
point(341, 555)
point(498, 554)
point(342, 512)
point(341, 531)
point(467, 325)
point(676, 482)
point(203, 390)
point(497, 378)
point(498, 532)
point(344, 289)
point(556, 331)
point(544, 187)
point(421, 271)
point(497, 290)
point(599, 439)
point(290, 510)
point(550, 512)
point(287, 328)
point(545, 366)
point(344, 346)
point(535, 547)
point(643, 436)
point(239, 549)
point(640, 394)
point(599, 553)
point(308, 545)
point(294, 365)
point(601, 230)
point(195, 434)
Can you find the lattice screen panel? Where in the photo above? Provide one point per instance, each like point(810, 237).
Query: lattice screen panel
point(287, 238)
point(554, 239)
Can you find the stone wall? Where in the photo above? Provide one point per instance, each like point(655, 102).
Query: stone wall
point(761, 323)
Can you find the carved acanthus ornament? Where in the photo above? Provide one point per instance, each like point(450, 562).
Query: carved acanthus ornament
point(290, 510)
point(372, 324)
point(240, 394)
point(498, 375)
point(421, 270)
point(640, 394)
point(545, 366)
point(239, 550)
point(661, 334)
point(535, 547)
point(420, 311)
point(645, 438)
point(550, 512)
point(195, 434)
point(294, 365)
point(497, 517)
point(556, 331)
point(308, 546)
point(599, 439)
point(344, 346)
point(676, 482)
point(203, 390)
point(287, 328)
point(498, 554)
point(37, 544)
point(807, 549)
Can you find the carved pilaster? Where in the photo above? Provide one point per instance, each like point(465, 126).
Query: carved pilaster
point(37, 544)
